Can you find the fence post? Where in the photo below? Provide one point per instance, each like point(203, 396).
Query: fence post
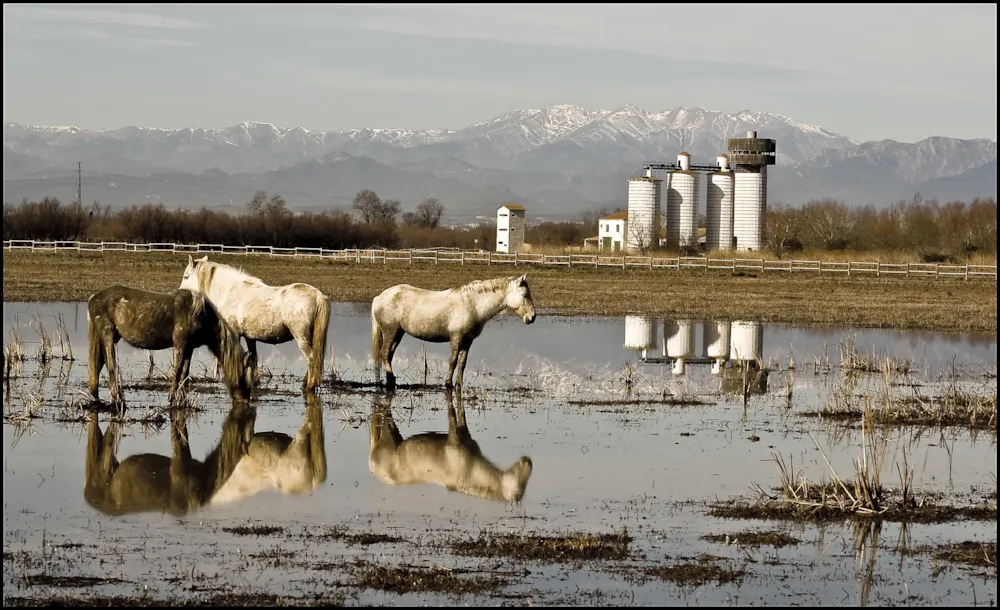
point(966, 272)
point(821, 267)
point(878, 269)
point(907, 269)
point(462, 255)
point(515, 259)
point(848, 268)
point(937, 269)
point(489, 257)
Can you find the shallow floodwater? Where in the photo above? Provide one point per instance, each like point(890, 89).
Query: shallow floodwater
point(635, 423)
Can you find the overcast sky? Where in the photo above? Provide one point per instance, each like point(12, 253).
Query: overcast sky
point(868, 71)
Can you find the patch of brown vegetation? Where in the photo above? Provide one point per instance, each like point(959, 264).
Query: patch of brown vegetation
point(550, 549)
point(969, 553)
point(636, 401)
point(703, 570)
point(783, 511)
point(933, 304)
point(421, 579)
point(342, 534)
point(254, 530)
point(754, 539)
point(244, 600)
point(77, 582)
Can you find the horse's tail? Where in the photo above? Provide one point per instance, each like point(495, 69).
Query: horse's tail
point(234, 358)
point(320, 327)
point(377, 339)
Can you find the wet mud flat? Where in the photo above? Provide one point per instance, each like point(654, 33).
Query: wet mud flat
point(632, 470)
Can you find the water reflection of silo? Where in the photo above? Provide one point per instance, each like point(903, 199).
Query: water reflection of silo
point(640, 333)
point(715, 337)
point(679, 336)
point(746, 349)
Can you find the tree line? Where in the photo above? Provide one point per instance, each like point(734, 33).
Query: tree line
point(933, 231)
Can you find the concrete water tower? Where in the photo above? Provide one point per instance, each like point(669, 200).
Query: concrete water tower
point(749, 158)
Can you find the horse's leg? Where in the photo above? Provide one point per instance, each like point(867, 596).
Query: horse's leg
point(252, 361)
point(456, 343)
point(306, 347)
point(390, 351)
point(463, 355)
point(110, 347)
point(96, 364)
point(178, 379)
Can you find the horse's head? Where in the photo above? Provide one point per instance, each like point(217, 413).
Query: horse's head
point(515, 480)
point(519, 298)
point(191, 280)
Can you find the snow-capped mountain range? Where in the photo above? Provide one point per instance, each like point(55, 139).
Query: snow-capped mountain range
point(554, 157)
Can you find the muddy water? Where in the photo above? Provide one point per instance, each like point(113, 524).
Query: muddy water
point(537, 391)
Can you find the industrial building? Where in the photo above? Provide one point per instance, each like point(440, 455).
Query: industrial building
point(510, 228)
point(611, 231)
point(735, 199)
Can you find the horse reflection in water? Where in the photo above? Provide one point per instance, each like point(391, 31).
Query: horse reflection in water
point(292, 465)
point(452, 460)
point(242, 464)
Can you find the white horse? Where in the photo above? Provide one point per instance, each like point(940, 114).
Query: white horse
point(275, 460)
point(452, 460)
point(456, 315)
point(270, 314)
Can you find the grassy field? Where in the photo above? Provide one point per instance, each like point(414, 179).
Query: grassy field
point(806, 299)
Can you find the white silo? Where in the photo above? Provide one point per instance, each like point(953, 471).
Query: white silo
point(749, 158)
point(640, 333)
point(715, 337)
point(746, 342)
point(679, 337)
point(749, 206)
point(643, 226)
point(682, 204)
point(719, 207)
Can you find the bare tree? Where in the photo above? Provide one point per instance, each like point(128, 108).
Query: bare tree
point(256, 204)
point(429, 212)
point(374, 211)
point(639, 236)
point(780, 233)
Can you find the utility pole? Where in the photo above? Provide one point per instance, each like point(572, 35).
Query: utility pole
point(79, 182)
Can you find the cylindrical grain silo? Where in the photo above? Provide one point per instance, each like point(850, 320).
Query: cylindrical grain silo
point(719, 207)
point(642, 230)
point(682, 204)
point(749, 199)
point(749, 158)
point(746, 341)
point(640, 333)
point(679, 337)
point(715, 338)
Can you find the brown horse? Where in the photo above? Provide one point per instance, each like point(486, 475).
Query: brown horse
point(452, 460)
point(177, 484)
point(158, 320)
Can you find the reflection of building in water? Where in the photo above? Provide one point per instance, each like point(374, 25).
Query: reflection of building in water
point(715, 338)
point(640, 333)
point(733, 349)
point(746, 349)
point(679, 339)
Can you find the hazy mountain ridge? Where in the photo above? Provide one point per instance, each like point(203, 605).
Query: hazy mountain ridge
point(559, 160)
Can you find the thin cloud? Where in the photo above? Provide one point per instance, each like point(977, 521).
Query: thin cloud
point(98, 17)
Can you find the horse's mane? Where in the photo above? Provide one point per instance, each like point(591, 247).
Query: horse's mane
point(237, 273)
point(497, 284)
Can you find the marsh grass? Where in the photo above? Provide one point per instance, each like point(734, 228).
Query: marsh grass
point(424, 579)
point(572, 547)
point(959, 401)
point(853, 360)
point(864, 493)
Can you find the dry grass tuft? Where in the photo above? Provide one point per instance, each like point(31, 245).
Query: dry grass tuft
point(550, 549)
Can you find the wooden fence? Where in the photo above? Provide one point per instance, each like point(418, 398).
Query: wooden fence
point(481, 257)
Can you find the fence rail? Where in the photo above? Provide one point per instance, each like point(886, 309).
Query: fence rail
point(480, 257)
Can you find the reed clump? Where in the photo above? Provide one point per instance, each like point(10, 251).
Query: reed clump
point(957, 402)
